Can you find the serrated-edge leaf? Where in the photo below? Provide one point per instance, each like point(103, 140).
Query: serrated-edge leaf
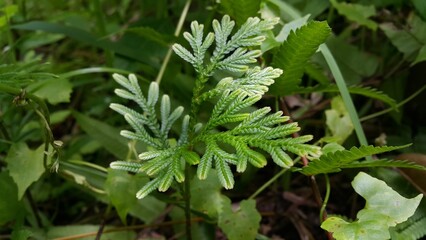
point(385, 163)
point(295, 52)
point(334, 161)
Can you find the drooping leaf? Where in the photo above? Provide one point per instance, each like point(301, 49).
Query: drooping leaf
point(241, 224)
point(25, 165)
point(295, 52)
point(335, 161)
point(357, 13)
point(240, 10)
point(384, 208)
point(106, 135)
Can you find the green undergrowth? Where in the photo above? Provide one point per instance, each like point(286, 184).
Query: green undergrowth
point(212, 119)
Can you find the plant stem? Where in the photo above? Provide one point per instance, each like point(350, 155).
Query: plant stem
point(344, 93)
point(323, 213)
point(177, 32)
point(320, 202)
point(34, 208)
point(187, 197)
point(269, 182)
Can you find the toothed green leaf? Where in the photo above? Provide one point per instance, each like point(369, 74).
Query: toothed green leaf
point(335, 161)
point(295, 52)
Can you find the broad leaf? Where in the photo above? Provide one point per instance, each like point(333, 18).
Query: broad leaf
point(25, 165)
point(357, 13)
point(295, 52)
point(384, 208)
point(241, 224)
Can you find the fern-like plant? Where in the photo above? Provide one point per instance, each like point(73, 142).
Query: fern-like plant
point(251, 135)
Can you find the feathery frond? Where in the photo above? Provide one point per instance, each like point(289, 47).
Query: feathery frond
point(335, 161)
point(251, 135)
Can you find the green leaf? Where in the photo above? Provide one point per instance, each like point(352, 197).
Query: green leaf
point(6, 13)
point(240, 10)
point(332, 147)
point(403, 40)
point(357, 13)
point(384, 208)
point(151, 34)
point(241, 224)
point(338, 120)
point(76, 230)
point(295, 52)
point(420, 6)
point(384, 163)
point(122, 187)
point(55, 90)
point(106, 135)
point(87, 38)
point(10, 206)
point(421, 56)
point(334, 161)
point(354, 63)
point(360, 90)
point(25, 165)
point(211, 187)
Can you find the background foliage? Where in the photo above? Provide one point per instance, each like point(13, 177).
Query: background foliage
point(58, 135)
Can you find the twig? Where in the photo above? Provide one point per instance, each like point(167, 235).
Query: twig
point(187, 197)
point(314, 184)
point(177, 32)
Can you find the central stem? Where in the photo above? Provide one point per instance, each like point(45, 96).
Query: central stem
point(187, 197)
